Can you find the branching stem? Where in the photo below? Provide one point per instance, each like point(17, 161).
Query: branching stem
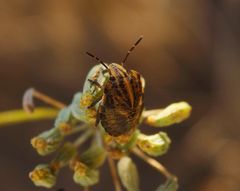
point(49, 100)
point(152, 162)
point(31, 93)
point(114, 174)
point(84, 137)
point(19, 116)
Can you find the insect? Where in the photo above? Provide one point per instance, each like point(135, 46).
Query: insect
point(121, 102)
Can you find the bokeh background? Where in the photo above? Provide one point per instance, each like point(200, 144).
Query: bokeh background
point(190, 51)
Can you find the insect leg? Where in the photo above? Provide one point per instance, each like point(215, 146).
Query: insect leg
point(94, 82)
point(105, 71)
point(95, 102)
point(98, 117)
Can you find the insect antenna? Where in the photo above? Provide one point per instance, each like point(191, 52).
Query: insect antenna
point(131, 49)
point(98, 59)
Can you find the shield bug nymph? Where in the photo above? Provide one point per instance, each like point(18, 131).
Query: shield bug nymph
point(121, 102)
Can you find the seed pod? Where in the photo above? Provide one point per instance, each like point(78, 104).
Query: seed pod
point(94, 157)
point(174, 113)
point(47, 142)
point(84, 175)
point(43, 175)
point(65, 154)
point(169, 185)
point(128, 174)
point(154, 145)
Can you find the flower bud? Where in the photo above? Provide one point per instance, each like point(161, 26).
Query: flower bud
point(130, 143)
point(47, 142)
point(174, 113)
point(64, 116)
point(94, 157)
point(154, 145)
point(43, 176)
point(84, 175)
point(65, 121)
point(80, 110)
point(128, 174)
point(169, 185)
point(65, 154)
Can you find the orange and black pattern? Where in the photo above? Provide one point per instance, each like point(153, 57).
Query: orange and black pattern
point(122, 103)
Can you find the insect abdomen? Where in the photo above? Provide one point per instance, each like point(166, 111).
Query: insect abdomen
point(122, 103)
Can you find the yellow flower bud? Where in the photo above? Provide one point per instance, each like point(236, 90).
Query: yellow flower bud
point(94, 157)
point(47, 142)
point(174, 113)
point(169, 185)
point(80, 110)
point(84, 175)
point(154, 145)
point(65, 154)
point(43, 176)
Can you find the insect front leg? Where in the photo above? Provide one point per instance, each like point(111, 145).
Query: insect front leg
point(95, 82)
point(98, 94)
point(94, 102)
point(98, 116)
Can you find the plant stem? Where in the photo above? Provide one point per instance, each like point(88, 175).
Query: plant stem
point(112, 167)
point(28, 101)
point(83, 137)
point(20, 116)
point(114, 174)
point(47, 99)
point(152, 162)
point(77, 129)
point(86, 189)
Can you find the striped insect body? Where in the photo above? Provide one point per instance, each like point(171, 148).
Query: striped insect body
point(120, 105)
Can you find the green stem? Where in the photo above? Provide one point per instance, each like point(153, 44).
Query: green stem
point(19, 116)
point(88, 133)
point(78, 129)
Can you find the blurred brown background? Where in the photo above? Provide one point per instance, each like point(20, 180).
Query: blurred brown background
point(190, 52)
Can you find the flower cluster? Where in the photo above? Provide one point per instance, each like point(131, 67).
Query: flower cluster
point(79, 118)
